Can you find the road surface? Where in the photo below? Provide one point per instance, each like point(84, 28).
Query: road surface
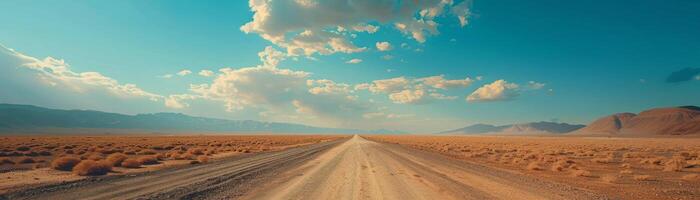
point(363, 169)
point(353, 168)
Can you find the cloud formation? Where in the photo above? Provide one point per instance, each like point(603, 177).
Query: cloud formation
point(52, 82)
point(184, 72)
point(306, 27)
point(404, 90)
point(499, 90)
point(206, 73)
point(354, 61)
point(683, 75)
point(383, 46)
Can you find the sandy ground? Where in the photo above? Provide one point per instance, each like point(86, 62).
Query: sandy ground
point(222, 179)
point(363, 169)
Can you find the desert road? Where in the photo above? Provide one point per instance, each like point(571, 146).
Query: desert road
point(353, 168)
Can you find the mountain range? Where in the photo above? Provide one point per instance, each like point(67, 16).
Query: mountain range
point(684, 120)
point(517, 129)
point(26, 118)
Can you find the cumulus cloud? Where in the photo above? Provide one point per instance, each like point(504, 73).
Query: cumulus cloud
point(497, 91)
point(683, 75)
point(184, 72)
point(462, 12)
point(383, 46)
point(441, 83)
point(354, 61)
point(404, 90)
point(52, 82)
point(206, 73)
point(306, 27)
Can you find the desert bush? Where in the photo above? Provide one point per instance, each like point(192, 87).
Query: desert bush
point(581, 173)
point(691, 177)
point(196, 151)
point(609, 178)
point(674, 165)
point(116, 159)
point(64, 163)
point(23, 148)
point(131, 163)
point(203, 159)
point(147, 152)
point(534, 166)
point(92, 168)
point(148, 160)
point(26, 160)
point(6, 161)
point(642, 178)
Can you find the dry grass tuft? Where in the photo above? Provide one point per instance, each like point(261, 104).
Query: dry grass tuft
point(116, 159)
point(674, 165)
point(609, 178)
point(131, 163)
point(203, 159)
point(64, 163)
point(148, 160)
point(6, 161)
point(92, 168)
point(581, 173)
point(691, 177)
point(534, 166)
point(26, 160)
point(642, 178)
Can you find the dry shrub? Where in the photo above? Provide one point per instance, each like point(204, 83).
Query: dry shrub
point(691, 177)
point(581, 173)
point(64, 163)
point(6, 161)
point(116, 159)
point(26, 160)
point(534, 166)
point(23, 148)
point(626, 171)
point(674, 165)
point(196, 151)
point(642, 178)
point(626, 165)
point(147, 152)
point(603, 160)
point(148, 160)
point(609, 178)
point(203, 159)
point(655, 161)
point(92, 168)
point(131, 163)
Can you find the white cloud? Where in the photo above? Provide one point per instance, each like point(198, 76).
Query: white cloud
point(271, 57)
point(496, 91)
point(184, 72)
point(306, 27)
point(408, 96)
point(326, 86)
point(535, 85)
point(177, 101)
point(51, 82)
point(166, 76)
point(354, 61)
point(403, 90)
point(206, 73)
point(442, 83)
point(387, 57)
point(383, 46)
point(462, 12)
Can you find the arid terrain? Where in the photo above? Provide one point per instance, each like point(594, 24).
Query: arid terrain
point(358, 167)
point(620, 168)
point(27, 161)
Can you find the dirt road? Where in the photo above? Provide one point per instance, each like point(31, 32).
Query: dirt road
point(345, 169)
point(363, 169)
point(216, 180)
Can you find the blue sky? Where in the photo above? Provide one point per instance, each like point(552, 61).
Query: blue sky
point(557, 61)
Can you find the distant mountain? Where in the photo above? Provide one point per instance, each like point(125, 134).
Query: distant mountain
point(27, 118)
point(517, 129)
point(683, 120)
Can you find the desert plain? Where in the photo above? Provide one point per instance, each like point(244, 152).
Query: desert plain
point(348, 167)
